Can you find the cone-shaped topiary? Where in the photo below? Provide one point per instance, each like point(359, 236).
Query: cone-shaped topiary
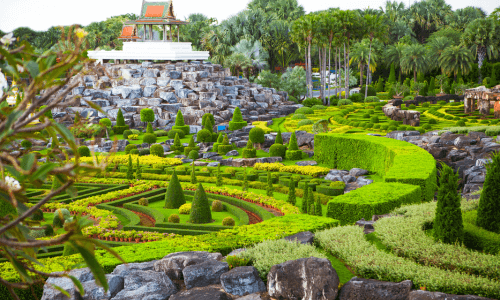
point(488, 212)
point(279, 139)
point(177, 146)
point(120, 126)
point(193, 175)
point(249, 151)
point(270, 188)
point(149, 128)
point(292, 144)
point(179, 123)
point(138, 171)
point(220, 138)
point(317, 208)
point(130, 170)
point(310, 202)
point(225, 147)
point(392, 74)
point(237, 122)
point(305, 199)
point(245, 180)
point(174, 197)
point(291, 193)
point(208, 122)
point(200, 210)
point(293, 152)
point(192, 146)
point(448, 226)
point(278, 149)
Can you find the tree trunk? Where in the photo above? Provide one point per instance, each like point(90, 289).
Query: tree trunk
point(368, 71)
point(324, 75)
point(329, 72)
point(481, 54)
point(361, 68)
point(307, 77)
point(309, 70)
point(346, 79)
point(347, 73)
point(320, 74)
point(415, 75)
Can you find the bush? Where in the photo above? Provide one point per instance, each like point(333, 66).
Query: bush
point(83, 151)
point(234, 261)
point(191, 146)
point(304, 122)
point(374, 119)
point(426, 104)
point(149, 128)
point(478, 238)
point(200, 210)
point(149, 138)
point(105, 122)
point(60, 216)
point(133, 137)
point(134, 152)
point(237, 121)
point(217, 206)
point(277, 150)
point(427, 127)
point(143, 202)
point(344, 102)
point(384, 127)
point(193, 154)
point(310, 102)
point(371, 91)
point(160, 133)
point(298, 116)
point(432, 121)
point(174, 197)
point(357, 97)
point(26, 144)
point(257, 135)
point(305, 111)
point(157, 150)
point(370, 99)
point(204, 136)
point(126, 134)
point(130, 147)
point(402, 128)
point(120, 126)
point(185, 209)
point(228, 221)
point(366, 116)
point(460, 123)
point(392, 128)
point(318, 107)
point(488, 212)
point(147, 115)
point(412, 106)
point(171, 134)
point(174, 218)
point(179, 123)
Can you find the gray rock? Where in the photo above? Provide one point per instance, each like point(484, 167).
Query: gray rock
point(148, 285)
point(348, 178)
point(305, 278)
point(49, 293)
point(149, 90)
point(170, 97)
point(242, 280)
point(233, 153)
point(95, 292)
point(304, 138)
point(174, 263)
point(305, 237)
point(148, 81)
point(206, 293)
point(482, 162)
point(203, 274)
point(426, 295)
point(209, 154)
point(151, 73)
point(358, 172)
point(306, 163)
point(125, 269)
point(360, 288)
point(213, 164)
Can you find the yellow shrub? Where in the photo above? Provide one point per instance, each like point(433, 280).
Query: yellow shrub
point(185, 209)
point(263, 126)
point(151, 161)
point(304, 170)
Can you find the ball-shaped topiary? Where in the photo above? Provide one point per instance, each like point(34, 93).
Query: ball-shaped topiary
point(432, 121)
point(257, 135)
point(134, 152)
point(174, 197)
point(366, 116)
point(228, 221)
point(310, 102)
point(60, 216)
point(26, 144)
point(174, 218)
point(185, 209)
point(344, 102)
point(277, 150)
point(49, 230)
point(149, 138)
point(200, 209)
point(105, 122)
point(171, 134)
point(193, 154)
point(374, 119)
point(204, 136)
point(217, 206)
point(126, 134)
point(37, 215)
point(370, 99)
point(147, 115)
point(305, 110)
point(83, 151)
point(460, 123)
point(143, 201)
point(237, 122)
point(130, 147)
point(298, 116)
point(304, 122)
point(156, 150)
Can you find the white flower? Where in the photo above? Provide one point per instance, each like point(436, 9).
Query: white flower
point(3, 84)
point(8, 39)
point(12, 183)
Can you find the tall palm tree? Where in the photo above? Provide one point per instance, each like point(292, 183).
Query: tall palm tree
point(456, 59)
point(374, 26)
point(393, 55)
point(436, 48)
point(482, 36)
point(463, 16)
point(361, 56)
point(333, 31)
point(237, 62)
point(428, 16)
point(414, 59)
point(352, 28)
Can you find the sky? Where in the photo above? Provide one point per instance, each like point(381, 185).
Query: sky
point(39, 15)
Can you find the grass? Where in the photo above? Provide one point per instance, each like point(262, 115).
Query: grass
point(342, 271)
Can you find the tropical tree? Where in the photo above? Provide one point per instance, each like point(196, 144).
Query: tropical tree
point(352, 28)
point(279, 43)
point(194, 30)
point(461, 17)
point(414, 59)
point(374, 26)
point(455, 60)
point(436, 47)
point(393, 55)
point(253, 51)
point(482, 36)
point(427, 16)
point(288, 10)
point(360, 55)
point(303, 33)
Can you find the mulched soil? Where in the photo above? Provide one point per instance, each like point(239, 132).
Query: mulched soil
point(145, 219)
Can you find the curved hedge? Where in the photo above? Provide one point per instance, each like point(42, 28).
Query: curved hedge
point(395, 161)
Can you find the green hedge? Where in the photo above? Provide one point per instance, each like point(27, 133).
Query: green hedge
point(478, 238)
point(328, 190)
point(375, 199)
point(395, 161)
point(133, 218)
point(153, 213)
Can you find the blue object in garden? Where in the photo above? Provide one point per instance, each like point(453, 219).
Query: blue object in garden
point(221, 127)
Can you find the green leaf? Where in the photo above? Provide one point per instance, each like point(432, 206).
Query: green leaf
point(102, 245)
point(27, 161)
point(96, 107)
point(13, 171)
point(19, 268)
point(64, 131)
point(33, 68)
point(78, 284)
point(61, 290)
point(93, 264)
point(42, 171)
point(30, 258)
point(72, 191)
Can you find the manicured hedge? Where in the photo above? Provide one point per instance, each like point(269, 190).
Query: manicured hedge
point(375, 199)
point(478, 238)
point(328, 190)
point(395, 161)
point(153, 213)
point(134, 219)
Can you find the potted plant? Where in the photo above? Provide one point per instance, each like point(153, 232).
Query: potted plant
point(441, 79)
point(399, 90)
point(138, 237)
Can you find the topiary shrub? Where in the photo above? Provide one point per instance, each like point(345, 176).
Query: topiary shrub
point(171, 134)
point(371, 91)
point(179, 123)
point(366, 116)
point(147, 115)
point(357, 97)
point(129, 148)
point(26, 144)
point(156, 150)
point(135, 152)
point(304, 122)
point(143, 202)
point(208, 122)
point(488, 212)
point(298, 116)
point(149, 128)
point(392, 128)
point(217, 206)
point(228, 221)
point(318, 107)
point(460, 123)
point(237, 121)
point(192, 146)
point(277, 150)
point(105, 122)
point(293, 152)
point(305, 111)
point(204, 136)
point(257, 135)
point(120, 126)
point(200, 209)
point(402, 128)
point(249, 151)
point(412, 106)
point(344, 102)
point(224, 147)
point(185, 209)
point(60, 216)
point(49, 230)
point(374, 119)
point(83, 151)
point(193, 154)
point(370, 99)
point(126, 134)
point(310, 102)
point(174, 218)
point(177, 146)
point(448, 224)
point(37, 215)
point(174, 197)
point(149, 138)
point(432, 121)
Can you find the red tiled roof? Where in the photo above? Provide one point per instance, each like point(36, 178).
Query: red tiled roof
point(154, 11)
point(128, 33)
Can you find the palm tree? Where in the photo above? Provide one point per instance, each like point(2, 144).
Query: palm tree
point(428, 16)
point(375, 29)
point(482, 36)
point(436, 47)
point(238, 61)
point(414, 59)
point(254, 51)
point(456, 59)
point(333, 30)
point(393, 55)
point(463, 16)
point(352, 28)
point(360, 55)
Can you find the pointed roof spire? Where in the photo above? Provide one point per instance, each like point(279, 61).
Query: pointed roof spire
point(170, 11)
